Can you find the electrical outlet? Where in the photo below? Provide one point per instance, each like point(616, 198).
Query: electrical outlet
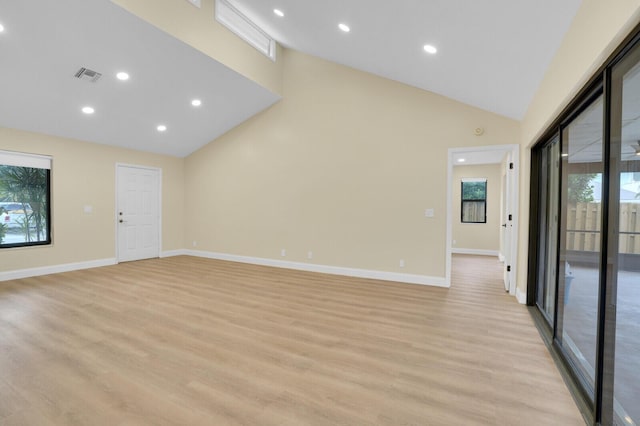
point(310, 255)
point(402, 263)
point(429, 213)
point(283, 253)
point(195, 243)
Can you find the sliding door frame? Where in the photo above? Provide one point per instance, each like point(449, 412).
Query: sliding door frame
point(598, 409)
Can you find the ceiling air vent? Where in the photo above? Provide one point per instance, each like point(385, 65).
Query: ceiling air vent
point(87, 74)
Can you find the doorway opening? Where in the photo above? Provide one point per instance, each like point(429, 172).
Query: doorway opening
point(500, 229)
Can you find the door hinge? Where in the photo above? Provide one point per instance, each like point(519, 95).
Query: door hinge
point(511, 166)
point(508, 268)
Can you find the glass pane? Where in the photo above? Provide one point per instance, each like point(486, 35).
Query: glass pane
point(473, 211)
point(579, 268)
point(625, 169)
point(474, 190)
point(547, 269)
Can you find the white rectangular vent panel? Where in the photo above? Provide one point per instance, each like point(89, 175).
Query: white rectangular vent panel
point(87, 74)
point(243, 27)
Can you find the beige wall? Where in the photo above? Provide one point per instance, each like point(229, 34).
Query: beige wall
point(344, 166)
point(598, 28)
point(199, 29)
point(84, 174)
point(478, 236)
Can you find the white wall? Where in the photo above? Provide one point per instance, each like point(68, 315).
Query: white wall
point(84, 174)
point(344, 166)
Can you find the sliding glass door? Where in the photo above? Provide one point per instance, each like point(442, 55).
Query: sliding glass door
point(623, 267)
point(580, 239)
point(549, 196)
point(585, 241)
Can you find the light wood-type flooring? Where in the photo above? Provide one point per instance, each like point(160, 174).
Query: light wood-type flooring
point(189, 341)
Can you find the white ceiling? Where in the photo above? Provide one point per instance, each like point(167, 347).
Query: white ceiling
point(472, 157)
point(491, 54)
point(46, 42)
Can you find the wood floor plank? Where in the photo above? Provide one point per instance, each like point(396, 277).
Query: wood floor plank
point(184, 340)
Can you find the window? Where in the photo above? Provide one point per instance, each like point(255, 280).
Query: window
point(25, 218)
point(474, 201)
point(244, 28)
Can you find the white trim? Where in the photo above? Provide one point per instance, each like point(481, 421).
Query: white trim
point(521, 296)
point(472, 180)
point(238, 23)
point(449, 225)
point(172, 253)
point(501, 257)
point(54, 269)
point(325, 269)
point(476, 252)
point(20, 159)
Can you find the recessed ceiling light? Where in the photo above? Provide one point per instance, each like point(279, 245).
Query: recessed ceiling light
point(1, 28)
point(161, 128)
point(278, 12)
point(430, 49)
point(196, 102)
point(88, 110)
point(344, 27)
point(122, 76)
point(461, 160)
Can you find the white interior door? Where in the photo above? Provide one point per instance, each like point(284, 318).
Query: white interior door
point(138, 213)
point(506, 227)
point(510, 244)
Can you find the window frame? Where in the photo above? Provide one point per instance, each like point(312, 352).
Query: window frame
point(34, 161)
point(475, 200)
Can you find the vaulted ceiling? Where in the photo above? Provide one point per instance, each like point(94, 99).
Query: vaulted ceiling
point(491, 55)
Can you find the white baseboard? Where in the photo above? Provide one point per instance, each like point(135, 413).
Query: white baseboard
point(475, 252)
point(54, 269)
point(171, 253)
point(325, 269)
point(334, 270)
point(521, 296)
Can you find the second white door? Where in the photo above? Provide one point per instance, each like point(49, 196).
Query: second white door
point(138, 213)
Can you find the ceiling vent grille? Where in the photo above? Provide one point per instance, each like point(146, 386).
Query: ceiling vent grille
point(87, 74)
